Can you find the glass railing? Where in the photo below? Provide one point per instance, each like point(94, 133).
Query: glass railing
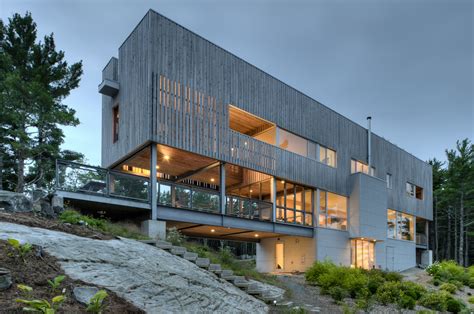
point(421, 239)
point(74, 177)
point(248, 208)
point(188, 197)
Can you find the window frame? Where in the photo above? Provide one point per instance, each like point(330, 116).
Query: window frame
point(326, 211)
point(389, 180)
point(115, 123)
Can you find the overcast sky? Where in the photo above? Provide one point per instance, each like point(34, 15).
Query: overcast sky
point(409, 64)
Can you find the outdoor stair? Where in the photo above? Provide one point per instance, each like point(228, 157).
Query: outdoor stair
point(164, 245)
point(203, 262)
point(241, 282)
point(178, 250)
point(192, 257)
point(215, 268)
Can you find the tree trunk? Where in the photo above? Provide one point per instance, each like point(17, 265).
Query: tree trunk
point(461, 230)
point(20, 184)
point(448, 237)
point(456, 249)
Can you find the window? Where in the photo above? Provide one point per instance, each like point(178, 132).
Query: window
point(363, 253)
point(332, 210)
point(400, 226)
point(389, 181)
point(414, 191)
point(327, 156)
point(293, 143)
point(359, 166)
point(115, 122)
point(294, 203)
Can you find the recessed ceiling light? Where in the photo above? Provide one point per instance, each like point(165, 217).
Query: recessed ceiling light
point(251, 191)
point(256, 235)
point(282, 181)
point(166, 157)
point(212, 179)
point(213, 230)
point(157, 167)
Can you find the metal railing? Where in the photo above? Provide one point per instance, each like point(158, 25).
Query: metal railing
point(188, 197)
point(249, 208)
point(75, 177)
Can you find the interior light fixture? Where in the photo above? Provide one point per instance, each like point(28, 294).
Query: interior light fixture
point(282, 181)
point(212, 180)
point(166, 157)
point(213, 230)
point(256, 235)
point(251, 191)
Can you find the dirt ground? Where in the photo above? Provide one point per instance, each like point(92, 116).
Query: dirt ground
point(35, 272)
point(30, 219)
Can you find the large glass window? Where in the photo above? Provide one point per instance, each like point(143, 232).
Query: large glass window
point(293, 143)
point(294, 203)
point(363, 253)
point(332, 211)
point(359, 166)
point(400, 226)
point(414, 190)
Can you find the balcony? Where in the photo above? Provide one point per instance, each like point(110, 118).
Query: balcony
point(421, 239)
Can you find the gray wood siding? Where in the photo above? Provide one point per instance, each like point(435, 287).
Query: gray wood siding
point(186, 83)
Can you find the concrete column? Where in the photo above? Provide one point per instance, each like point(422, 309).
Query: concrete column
point(155, 229)
point(222, 187)
point(153, 182)
point(273, 197)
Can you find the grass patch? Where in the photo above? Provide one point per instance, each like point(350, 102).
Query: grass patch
point(100, 224)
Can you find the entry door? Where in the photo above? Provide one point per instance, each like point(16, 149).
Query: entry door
point(390, 258)
point(279, 256)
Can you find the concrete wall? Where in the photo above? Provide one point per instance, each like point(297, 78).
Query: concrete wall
point(334, 245)
point(368, 207)
point(299, 254)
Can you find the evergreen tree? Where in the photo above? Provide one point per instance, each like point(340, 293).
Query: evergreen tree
point(34, 80)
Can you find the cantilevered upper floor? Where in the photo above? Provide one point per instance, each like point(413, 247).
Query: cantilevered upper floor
point(171, 87)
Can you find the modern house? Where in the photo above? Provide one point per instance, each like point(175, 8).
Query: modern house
point(194, 137)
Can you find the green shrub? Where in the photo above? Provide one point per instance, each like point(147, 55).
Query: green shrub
point(406, 302)
point(413, 290)
point(471, 283)
point(436, 282)
point(449, 271)
point(393, 276)
point(175, 236)
point(365, 304)
point(389, 292)
point(374, 282)
point(454, 305)
point(76, 218)
point(436, 300)
point(226, 256)
point(21, 249)
point(314, 272)
point(337, 293)
point(459, 285)
point(449, 287)
point(471, 300)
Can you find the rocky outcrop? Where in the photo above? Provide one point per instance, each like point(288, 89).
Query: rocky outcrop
point(151, 279)
point(15, 202)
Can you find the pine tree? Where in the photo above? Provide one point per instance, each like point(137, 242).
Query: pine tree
point(34, 80)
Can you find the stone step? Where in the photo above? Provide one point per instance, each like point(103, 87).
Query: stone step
point(254, 289)
point(241, 282)
point(270, 297)
point(164, 245)
point(190, 256)
point(227, 273)
point(215, 268)
point(202, 262)
point(178, 250)
point(152, 242)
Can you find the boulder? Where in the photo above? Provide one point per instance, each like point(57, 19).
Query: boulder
point(83, 294)
point(5, 279)
point(15, 202)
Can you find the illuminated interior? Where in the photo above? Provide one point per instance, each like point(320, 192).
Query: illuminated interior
point(363, 253)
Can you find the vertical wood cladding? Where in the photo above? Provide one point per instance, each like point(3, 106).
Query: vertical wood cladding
point(186, 83)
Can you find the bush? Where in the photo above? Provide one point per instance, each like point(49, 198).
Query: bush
point(226, 256)
point(436, 282)
point(393, 276)
point(389, 292)
point(449, 271)
point(459, 285)
point(174, 236)
point(436, 300)
point(412, 289)
point(337, 293)
point(471, 283)
point(449, 287)
point(471, 300)
point(374, 282)
point(406, 302)
point(454, 306)
point(314, 272)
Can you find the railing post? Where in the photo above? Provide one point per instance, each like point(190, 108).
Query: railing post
point(153, 191)
point(107, 183)
point(273, 197)
point(222, 196)
point(57, 174)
